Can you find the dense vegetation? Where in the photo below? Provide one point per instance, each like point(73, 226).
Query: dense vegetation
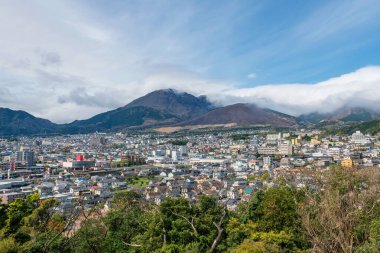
point(370, 127)
point(179, 142)
point(238, 137)
point(343, 217)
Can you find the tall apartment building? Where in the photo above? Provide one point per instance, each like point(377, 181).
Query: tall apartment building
point(285, 148)
point(359, 138)
point(25, 158)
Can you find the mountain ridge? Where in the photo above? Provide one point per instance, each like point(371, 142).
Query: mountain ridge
point(173, 109)
point(156, 108)
point(243, 114)
point(344, 114)
point(18, 122)
point(181, 104)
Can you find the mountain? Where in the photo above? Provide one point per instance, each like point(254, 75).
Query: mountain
point(243, 115)
point(354, 114)
point(181, 104)
point(119, 119)
point(351, 114)
point(314, 117)
point(22, 123)
point(368, 127)
point(161, 107)
point(174, 109)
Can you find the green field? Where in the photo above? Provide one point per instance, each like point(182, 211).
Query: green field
point(138, 181)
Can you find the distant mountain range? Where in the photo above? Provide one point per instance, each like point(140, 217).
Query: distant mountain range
point(23, 123)
point(368, 127)
point(170, 108)
point(354, 114)
point(161, 107)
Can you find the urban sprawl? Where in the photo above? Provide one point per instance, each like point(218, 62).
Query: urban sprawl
point(85, 171)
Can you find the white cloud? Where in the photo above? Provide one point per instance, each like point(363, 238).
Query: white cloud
point(360, 88)
point(69, 56)
point(92, 32)
point(252, 76)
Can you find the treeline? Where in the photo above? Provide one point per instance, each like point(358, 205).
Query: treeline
point(179, 142)
point(238, 137)
point(340, 214)
point(369, 127)
point(126, 163)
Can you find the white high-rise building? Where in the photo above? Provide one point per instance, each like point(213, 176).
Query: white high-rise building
point(267, 160)
point(273, 138)
point(359, 138)
point(175, 155)
point(285, 148)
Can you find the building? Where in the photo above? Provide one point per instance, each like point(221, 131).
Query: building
point(347, 162)
point(359, 138)
point(79, 163)
point(285, 148)
point(334, 152)
point(25, 158)
point(182, 150)
point(7, 198)
point(175, 155)
point(268, 150)
point(273, 138)
point(267, 160)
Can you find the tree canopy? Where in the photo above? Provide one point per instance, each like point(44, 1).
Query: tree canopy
point(341, 215)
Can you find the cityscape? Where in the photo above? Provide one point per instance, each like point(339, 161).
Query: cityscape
point(190, 126)
point(229, 166)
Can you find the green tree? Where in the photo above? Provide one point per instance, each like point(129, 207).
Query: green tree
point(9, 245)
point(90, 237)
point(41, 216)
point(3, 215)
point(16, 211)
point(201, 224)
point(373, 243)
point(123, 225)
point(268, 221)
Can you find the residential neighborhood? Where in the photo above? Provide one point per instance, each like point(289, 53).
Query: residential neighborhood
point(230, 166)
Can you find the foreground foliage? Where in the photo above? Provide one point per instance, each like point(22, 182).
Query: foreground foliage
point(342, 215)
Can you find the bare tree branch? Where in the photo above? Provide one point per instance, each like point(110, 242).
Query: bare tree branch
point(220, 230)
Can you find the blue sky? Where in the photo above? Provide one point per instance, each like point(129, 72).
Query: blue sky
point(88, 56)
point(280, 41)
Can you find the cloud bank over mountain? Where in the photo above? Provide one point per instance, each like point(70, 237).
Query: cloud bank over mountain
point(360, 88)
point(67, 60)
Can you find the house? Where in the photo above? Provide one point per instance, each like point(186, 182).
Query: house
point(7, 198)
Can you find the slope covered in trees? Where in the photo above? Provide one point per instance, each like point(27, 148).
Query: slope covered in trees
point(370, 127)
point(344, 217)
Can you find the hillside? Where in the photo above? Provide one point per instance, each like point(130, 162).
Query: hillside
point(243, 115)
point(370, 127)
point(120, 118)
point(181, 104)
point(161, 107)
point(314, 117)
point(170, 108)
point(22, 123)
point(351, 114)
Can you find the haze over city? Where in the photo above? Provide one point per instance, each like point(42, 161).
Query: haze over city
point(68, 60)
